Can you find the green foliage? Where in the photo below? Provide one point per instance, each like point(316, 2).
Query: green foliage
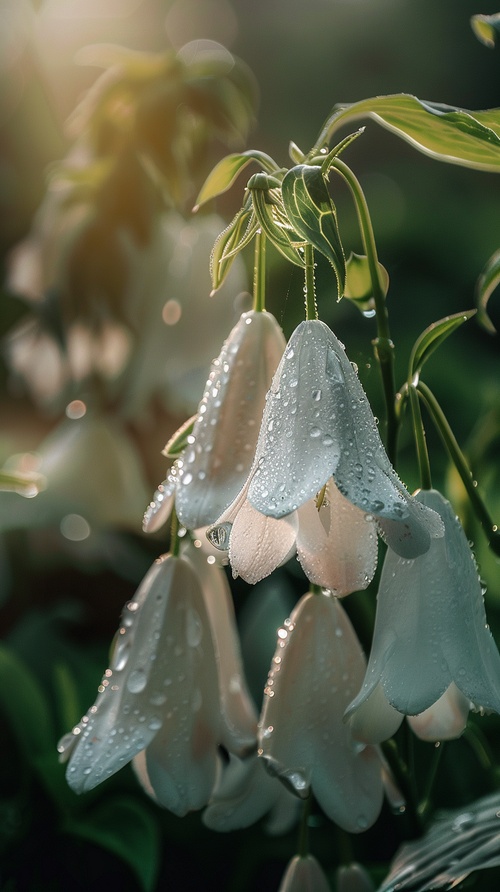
point(432, 338)
point(178, 441)
point(442, 131)
point(226, 172)
point(312, 213)
point(486, 28)
point(486, 285)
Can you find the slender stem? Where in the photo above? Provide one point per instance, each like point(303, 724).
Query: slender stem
point(458, 459)
point(259, 273)
point(404, 781)
point(426, 802)
point(383, 345)
point(175, 542)
point(420, 440)
point(303, 842)
point(310, 286)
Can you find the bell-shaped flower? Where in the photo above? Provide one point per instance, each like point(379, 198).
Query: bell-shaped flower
point(354, 878)
point(216, 462)
point(245, 793)
point(317, 666)
point(433, 655)
point(162, 695)
point(304, 874)
point(318, 423)
point(335, 542)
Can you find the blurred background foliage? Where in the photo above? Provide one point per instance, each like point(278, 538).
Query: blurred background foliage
point(72, 556)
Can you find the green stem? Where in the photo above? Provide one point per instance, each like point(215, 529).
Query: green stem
point(383, 345)
point(426, 802)
point(458, 459)
point(405, 783)
point(303, 842)
point(175, 542)
point(259, 273)
point(420, 440)
point(310, 287)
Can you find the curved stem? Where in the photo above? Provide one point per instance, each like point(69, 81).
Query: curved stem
point(383, 345)
point(310, 287)
point(458, 459)
point(420, 440)
point(259, 273)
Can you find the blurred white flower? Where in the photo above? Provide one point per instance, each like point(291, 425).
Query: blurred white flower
point(173, 693)
point(304, 874)
point(91, 469)
point(353, 878)
point(433, 656)
point(318, 423)
point(317, 666)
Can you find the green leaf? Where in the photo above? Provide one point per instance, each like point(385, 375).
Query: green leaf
point(233, 239)
point(178, 441)
point(486, 28)
point(486, 284)
point(271, 216)
point(312, 214)
point(358, 286)
point(431, 338)
point(25, 707)
point(125, 827)
point(226, 172)
point(458, 136)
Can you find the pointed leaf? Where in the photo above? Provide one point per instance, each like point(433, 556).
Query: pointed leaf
point(486, 28)
point(432, 337)
point(312, 213)
point(233, 239)
point(451, 134)
point(486, 284)
point(227, 170)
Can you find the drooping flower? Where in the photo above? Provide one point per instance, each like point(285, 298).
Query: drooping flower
point(433, 656)
point(218, 458)
point(353, 878)
point(318, 423)
point(162, 695)
point(303, 739)
point(304, 874)
point(245, 793)
point(335, 542)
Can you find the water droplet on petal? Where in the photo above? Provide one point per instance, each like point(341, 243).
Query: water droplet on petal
point(219, 535)
point(137, 680)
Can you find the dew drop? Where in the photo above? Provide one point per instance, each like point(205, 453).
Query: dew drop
point(137, 680)
point(194, 629)
point(218, 536)
point(314, 432)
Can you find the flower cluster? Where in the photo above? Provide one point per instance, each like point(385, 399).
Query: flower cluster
point(284, 458)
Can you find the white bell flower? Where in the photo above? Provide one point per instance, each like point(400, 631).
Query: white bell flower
point(165, 693)
point(317, 666)
point(318, 423)
point(433, 655)
point(335, 542)
point(304, 874)
point(218, 458)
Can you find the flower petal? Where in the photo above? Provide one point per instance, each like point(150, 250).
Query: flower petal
point(337, 545)
point(160, 692)
point(317, 666)
point(238, 715)
point(318, 423)
point(445, 719)
point(430, 627)
point(258, 544)
point(216, 464)
point(304, 874)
